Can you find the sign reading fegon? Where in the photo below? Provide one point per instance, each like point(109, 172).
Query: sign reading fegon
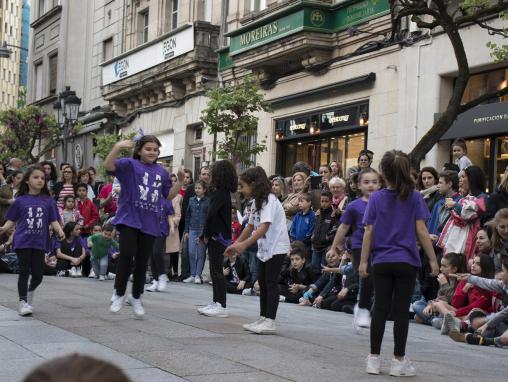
point(146, 57)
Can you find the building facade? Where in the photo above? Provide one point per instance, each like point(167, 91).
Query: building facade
point(10, 32)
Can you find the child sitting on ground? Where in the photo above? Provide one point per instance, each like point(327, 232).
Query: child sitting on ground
point(237, 274)
point(69, 252)
point(100, 245)
point(296, 279)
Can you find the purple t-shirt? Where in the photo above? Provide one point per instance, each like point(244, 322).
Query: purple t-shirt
point(393, 223)
point(32, 214)
point(353, 216)
point(144, 187)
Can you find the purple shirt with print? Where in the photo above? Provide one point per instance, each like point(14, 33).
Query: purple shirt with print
point(393, 223)
point(353, 216)
point(33, 215)
point(144, 187)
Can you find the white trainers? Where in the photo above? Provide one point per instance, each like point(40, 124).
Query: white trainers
point(402, 368)
point(110, 276)
point(257, 322)
point(78, 272)
point(216, 311)
point(30, 298)
point(102, 278)
point(163, 283)
point(282, 298)
point(207, 307)
point(72, 272)
point(373, 364)
point(25, 309)
point(91, 275)
point(137, 306)
point(197, 280)
point(266, 326)
point(361, 317)
point(117, 303)
point(189, 279)
point(153, 287)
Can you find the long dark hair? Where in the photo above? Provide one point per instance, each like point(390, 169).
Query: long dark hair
point(256, 178)
point(456, 260)
point(432, 170)
point(223, 176)
point(396, 169)
point(53, 175)
point(143, 141)
point(23, 186)
point(487, 266)
point(476, 179)
point(68, 228)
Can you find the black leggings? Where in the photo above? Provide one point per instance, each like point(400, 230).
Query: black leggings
point(268, 276)
point(173, 262)
point(216, 259)
point(366, 287)
point(393, 286)
point(157, 258)
point(134, 246)
point(31, 263)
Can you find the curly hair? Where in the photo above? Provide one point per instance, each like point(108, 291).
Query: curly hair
point(257, 180)
point(223, 176)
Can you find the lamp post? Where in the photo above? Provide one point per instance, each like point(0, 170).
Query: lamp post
point(66, 110)
point(5, 52)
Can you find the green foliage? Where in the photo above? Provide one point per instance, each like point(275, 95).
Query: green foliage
point(28, 133)
point(230, 111)
point(104, 145)
point(21, 97)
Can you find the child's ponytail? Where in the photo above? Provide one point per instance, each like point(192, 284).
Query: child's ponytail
point(396, 169)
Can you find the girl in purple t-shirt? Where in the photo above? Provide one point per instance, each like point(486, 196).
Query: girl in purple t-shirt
point(394, 218)
point(144, 186)
point(33, 212)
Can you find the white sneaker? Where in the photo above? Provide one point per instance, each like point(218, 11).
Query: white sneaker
point(72, 272)
point(30, 298)
point(247, 292)
point(24, 308)
point(362, 318)
point(110, 276)
point(189, 279)
point(373, 365)
point(153, 287)
point(102, 278)
point(137, 306)
point(117, 303)
point(282, 298)
point(78, 272)
point(266, 326)
point(216, 311)
point(257, 322)
point(205, 308)
point(91, 275)
point(402, 368)
point(113, 296)
point(197, 280)
point(163, 283)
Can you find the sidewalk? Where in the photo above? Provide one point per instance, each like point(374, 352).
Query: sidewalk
point(174, 343)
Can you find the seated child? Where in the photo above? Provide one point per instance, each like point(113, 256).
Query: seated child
point(69, 252)
point(295, 280)
point(237, 274)
point(69, 212)
point(100, 245)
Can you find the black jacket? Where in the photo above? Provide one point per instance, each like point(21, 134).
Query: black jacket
point(322, 236)
point(495, 202)
point(240, 267)
point(218, 219)
point(307, 275)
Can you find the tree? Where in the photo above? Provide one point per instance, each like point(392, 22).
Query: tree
point(230, 111)
point(28, 133)
point(450, 17)
point(104, 144)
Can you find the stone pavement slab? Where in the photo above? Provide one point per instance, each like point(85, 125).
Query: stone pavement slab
point(174, 343)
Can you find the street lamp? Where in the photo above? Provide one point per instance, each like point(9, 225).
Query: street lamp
point(67, 111)
point(5, 52)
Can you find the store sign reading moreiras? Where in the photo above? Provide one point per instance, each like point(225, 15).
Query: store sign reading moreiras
point(297, 126)
point(149, 56)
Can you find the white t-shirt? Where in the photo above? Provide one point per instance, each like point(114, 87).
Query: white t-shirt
point(463, 162)
point(276, 239)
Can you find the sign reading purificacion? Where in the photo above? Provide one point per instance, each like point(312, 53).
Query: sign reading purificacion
point(161, 50)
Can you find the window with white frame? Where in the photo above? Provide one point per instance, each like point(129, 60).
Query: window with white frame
point(174, 14)
point(38, 80)
point(42, 7)
point(143, 25)
point(255, 5)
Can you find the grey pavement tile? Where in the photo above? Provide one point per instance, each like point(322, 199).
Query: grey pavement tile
point(39, 334)
point(235, 377)
point(16, 369)
point(52, 350)
point(152, 374)
point(11, 351)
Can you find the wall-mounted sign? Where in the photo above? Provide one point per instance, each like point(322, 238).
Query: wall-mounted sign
point(152, 54)
point(78, 156)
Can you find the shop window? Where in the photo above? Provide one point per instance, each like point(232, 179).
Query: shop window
point(487, 82)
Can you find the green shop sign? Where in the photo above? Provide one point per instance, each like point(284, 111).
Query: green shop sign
point(306, 16)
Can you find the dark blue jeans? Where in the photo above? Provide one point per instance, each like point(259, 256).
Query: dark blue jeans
point(250, 256)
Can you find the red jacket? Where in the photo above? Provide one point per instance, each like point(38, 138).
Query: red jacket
point(474, 298)
point(90, 214)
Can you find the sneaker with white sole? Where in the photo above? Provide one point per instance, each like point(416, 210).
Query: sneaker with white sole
point(197, 280)
point(207, 307)
point(163, 283)
point(189, 279)
point(110, 276)
point(91, 275)
point(30, 298)
point(452, 323)
point(72, 272)
point(113, 296)
point(282, 298)
point(216, 311)
point(373, 364)
point(402, 368)
point(154, 287)
point(78, 272)
point(25, 309)
point(102, 278)
point(362, 318)
point(257, 322)
point(117, 303)
point(137, 306)
point(267, 326)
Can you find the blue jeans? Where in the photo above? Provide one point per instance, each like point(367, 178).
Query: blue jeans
point(196, 253)
point(250, 256)
point(418, 307)
point(318, 258)
point(100, 266)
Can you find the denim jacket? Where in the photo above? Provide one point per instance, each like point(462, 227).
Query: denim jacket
point(195, 217)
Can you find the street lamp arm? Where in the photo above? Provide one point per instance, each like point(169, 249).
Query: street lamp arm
point(5, 45)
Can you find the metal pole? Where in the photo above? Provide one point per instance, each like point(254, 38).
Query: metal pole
point(66, 130)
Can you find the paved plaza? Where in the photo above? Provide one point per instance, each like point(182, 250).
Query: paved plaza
point(174, 343)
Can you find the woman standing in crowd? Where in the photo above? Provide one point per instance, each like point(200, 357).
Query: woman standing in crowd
point(290, 205)
point(51, 175)
point(144, 183)
point(395, 257)
point(279, 188)
point(84, 177)
point(339, 197)
point(217, 232)
point(497, 200)
point(66, 185)
point(335, 169)
point(8, 192)
point(428, 186)
point(267, 227)
point(173, 239)
point(326, 173)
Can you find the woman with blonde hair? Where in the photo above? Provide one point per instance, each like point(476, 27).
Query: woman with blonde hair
point(290, 205)
point(279, 188)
